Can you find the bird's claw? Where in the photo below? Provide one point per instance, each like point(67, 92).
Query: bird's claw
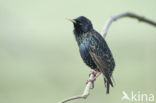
point(92, 72)
point(91, 80)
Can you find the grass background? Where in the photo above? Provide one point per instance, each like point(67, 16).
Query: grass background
point(39, 57)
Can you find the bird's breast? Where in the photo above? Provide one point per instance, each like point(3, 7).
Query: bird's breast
point(86, 56)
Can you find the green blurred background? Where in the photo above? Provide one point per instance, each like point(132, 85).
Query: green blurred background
point(39, 57)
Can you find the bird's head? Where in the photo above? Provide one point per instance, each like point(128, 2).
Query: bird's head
point(81, 24)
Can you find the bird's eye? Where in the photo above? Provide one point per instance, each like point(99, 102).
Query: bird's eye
point(78, 22)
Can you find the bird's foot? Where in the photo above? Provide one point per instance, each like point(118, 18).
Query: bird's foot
point(92, 72)
point(91, 80)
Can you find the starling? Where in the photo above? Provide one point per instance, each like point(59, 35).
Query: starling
point(94, 49)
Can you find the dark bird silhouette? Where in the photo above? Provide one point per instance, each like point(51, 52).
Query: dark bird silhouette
point(94, 49)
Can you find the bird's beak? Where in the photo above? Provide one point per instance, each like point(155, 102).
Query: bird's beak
point(72, 20)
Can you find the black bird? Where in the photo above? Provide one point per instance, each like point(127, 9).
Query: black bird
point(94, 49)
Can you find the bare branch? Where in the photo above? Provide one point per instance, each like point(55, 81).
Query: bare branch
point(127, 14)
point(103, 33)
point(85, 93)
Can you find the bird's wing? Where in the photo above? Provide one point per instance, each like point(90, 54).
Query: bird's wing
point(100, 62)
point(101, 49)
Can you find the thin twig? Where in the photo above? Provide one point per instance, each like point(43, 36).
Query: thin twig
point(85, 93)
point(103, 33)
point(127, 14)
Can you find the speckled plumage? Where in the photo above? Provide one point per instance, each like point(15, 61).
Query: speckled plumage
point(94, 49)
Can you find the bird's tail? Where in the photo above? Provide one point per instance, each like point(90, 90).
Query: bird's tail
point(107, 84)
point(107, 90)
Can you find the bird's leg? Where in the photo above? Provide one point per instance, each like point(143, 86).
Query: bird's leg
point(92, 80)
point(97, 75)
